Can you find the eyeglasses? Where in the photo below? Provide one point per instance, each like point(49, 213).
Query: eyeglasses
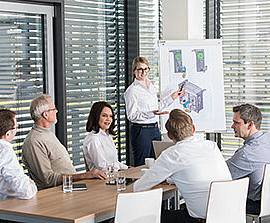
point(15, 127)
point(52, 109)
point(141, 70)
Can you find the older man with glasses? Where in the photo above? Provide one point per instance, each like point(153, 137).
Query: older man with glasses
point(46, 159)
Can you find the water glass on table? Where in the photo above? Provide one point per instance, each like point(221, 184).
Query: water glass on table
point(121, 181)
point(111, 171)
point(67, 183)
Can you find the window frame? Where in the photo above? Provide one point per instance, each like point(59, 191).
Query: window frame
point(58, 79)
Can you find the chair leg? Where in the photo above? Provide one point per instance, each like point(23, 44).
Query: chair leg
point(260, 220)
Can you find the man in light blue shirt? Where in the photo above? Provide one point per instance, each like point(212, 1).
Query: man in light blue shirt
point(249, 160)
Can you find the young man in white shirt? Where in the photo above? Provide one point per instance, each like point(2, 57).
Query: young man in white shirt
point(191, 163)
point(13, 181)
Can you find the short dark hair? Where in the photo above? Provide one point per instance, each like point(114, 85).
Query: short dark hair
point(93, 117)
point(6, 121)
point(179, 125)
point(249, 113)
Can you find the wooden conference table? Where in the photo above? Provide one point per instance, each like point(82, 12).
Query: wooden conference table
point(95, 204)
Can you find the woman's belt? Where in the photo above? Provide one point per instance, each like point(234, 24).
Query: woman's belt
point(150, 125)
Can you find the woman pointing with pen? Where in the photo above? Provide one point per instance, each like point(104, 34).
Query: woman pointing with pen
point(142, 110)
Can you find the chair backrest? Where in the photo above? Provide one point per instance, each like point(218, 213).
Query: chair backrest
point(159, 146)
point(86, 167)
point(139, 207)
point(227, 201)
point(265, 194)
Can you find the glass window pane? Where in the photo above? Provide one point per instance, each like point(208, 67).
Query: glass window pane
point(21, 66)
point(149, 33)
point(95, 68)
point(245, 35)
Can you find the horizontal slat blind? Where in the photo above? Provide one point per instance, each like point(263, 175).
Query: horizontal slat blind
point(246, 56)
point(149, 25)
point(95, 68)
point(21, 67)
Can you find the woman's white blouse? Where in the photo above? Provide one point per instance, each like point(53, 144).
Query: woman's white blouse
point(142, 101)
point(99, 150)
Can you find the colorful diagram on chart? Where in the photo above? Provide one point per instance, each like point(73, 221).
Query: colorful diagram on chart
point(197, 67)
point(178, 62)
point(193, 98)
point(200, 60)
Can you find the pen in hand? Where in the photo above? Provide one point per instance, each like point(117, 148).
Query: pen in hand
point(180, 92)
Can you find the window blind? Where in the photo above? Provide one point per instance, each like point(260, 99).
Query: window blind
point(95, 68)
point(149, 33)
point(21, 66)
point(244, 29)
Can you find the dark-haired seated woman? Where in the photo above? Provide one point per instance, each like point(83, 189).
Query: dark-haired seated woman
point(98, 146)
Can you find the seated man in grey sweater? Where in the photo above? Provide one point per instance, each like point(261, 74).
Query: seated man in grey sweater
point(13, 181)
point(46, 159)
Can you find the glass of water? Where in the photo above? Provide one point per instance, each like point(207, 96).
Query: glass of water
point(111, 173)
point(121, 181)
point(67, 183)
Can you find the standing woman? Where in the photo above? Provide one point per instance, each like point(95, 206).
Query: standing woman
point(142, 110)
point(98, 146)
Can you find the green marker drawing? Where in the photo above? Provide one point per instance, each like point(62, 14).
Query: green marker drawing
point(178, 56)
point(200, 55)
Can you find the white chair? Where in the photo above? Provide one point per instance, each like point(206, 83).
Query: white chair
point(139, 207)
point(227, 201)
point(265, 195)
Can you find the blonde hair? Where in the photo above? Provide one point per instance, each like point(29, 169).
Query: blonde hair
point(135, 62)
point(179, 125)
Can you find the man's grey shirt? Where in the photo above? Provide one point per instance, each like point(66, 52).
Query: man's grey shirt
point(249, 161)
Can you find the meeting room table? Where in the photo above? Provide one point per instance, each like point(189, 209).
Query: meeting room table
point(95, 204)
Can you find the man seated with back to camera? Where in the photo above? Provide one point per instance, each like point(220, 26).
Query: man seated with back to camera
point(46, 159)
point(250, 159)
point(191, 163)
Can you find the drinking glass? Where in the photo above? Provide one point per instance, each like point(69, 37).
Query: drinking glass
point(111, 173)
point(121, 181)
point(67, 183)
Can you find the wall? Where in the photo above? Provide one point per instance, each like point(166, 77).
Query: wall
point(182, 19)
